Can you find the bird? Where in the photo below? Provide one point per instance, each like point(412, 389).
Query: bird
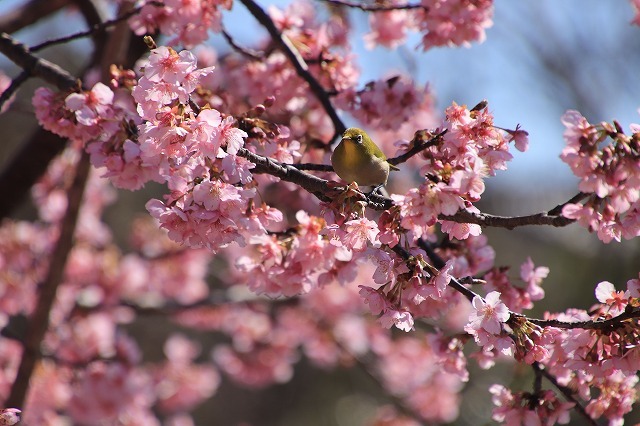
point(358, 159)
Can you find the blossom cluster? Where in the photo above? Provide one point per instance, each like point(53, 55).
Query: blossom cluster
point(388, 104)
point(325, 280)
point(441, 23)
point(472, 149)
point(609, 175)
point(187, 22)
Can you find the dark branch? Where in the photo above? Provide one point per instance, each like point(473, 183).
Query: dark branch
point(26, 167)
point(605, 325)
point(34, 66)
point(249, 53)
point(419, 145)
point(313, 167)
point(297, 61)
point(39, 320)
point(508, 222)
point(374, 7)
point(29, 13)
point(315, 185)
point(568, 394)
point(13, 88)
point(97, 28)
point(575, 199)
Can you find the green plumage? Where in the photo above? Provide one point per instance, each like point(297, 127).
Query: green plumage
point(358, 159)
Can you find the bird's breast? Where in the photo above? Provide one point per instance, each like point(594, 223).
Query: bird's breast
point(353, 165)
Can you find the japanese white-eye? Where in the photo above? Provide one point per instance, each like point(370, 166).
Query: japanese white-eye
point(358, 159)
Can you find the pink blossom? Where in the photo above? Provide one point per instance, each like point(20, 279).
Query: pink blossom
point(91, 107)
point(165, 64)
point(401, 319)
point(388, 29)
point(633, 287)
point(533, 277)
point(9, 416)
point(454, 22)
point(607, 294)
point(376, 301)
point(359, 232)
point(489, 313)
point(460, 231)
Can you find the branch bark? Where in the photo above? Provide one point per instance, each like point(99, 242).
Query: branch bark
point(39, 320)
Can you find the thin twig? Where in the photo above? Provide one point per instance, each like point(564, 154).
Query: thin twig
point(95, 28)
point(249, 53)
point(418, 147)
point(298, 62)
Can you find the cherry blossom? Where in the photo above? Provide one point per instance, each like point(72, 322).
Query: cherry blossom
point(248, 240)
point(489, 313)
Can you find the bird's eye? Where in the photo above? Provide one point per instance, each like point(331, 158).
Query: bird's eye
point(359, 138)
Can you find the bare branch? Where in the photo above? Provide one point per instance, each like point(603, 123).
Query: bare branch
point(13, 87)
point(29, 13)
point(508, 222)
point(249, 53)
point(34, 66)
point(605, 325)
point(376, 7)
point(419, 145)
point(97, 28)
point(297, 61)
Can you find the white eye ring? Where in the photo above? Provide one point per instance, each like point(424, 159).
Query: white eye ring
point(359, 138)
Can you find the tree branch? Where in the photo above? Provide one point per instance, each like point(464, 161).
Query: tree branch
point(34, 66)
point(568, 393)
point(604, 325)
point(96, 28)
point(29, 13)
point(249, 53)
point(13, 87)
point(508, 222)
point(297, 61)
point(376, 7)
point(39, 320)
point(26, 167)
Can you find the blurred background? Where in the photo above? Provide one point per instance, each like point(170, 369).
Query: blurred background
point(539, 59)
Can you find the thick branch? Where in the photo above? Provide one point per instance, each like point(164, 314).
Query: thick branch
point(508, 222)
point(26, 168)
point(315, 185)
point(29, 13)
point(39, 320)
point(297, 61)
point(37, 67)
